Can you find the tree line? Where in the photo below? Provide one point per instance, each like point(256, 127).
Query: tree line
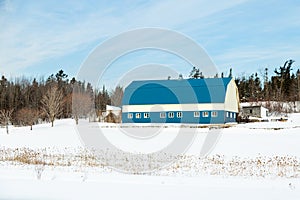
point(24, 101)
point(282, 87)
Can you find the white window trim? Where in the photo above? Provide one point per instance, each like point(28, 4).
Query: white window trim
point(171, 115)
point(138, 115)
point(197, 114)
point(146, 115)
point(162, 115)
point(129, 115)
point(179, 114)
point(214, 114)
point(205, 114)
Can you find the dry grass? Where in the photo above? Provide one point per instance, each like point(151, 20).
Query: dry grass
point(189, 165)
point(48, 157)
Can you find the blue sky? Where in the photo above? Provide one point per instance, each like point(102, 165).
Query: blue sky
point(38, 38)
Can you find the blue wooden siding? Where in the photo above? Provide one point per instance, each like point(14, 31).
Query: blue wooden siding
point(187, 117)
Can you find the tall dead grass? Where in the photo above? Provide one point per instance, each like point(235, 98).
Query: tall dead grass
point(155, 164)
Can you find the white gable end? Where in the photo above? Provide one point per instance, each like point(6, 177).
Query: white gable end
point(232, 97)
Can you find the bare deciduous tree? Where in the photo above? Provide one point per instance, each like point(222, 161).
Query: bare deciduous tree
point(52, 103)
point(117, 96)
point(81, 104)
point(28, 116)
point(5, 117)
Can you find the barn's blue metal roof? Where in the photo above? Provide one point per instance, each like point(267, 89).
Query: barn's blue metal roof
point(181, 91)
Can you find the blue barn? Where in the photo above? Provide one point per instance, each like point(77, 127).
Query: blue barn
point(197, 101)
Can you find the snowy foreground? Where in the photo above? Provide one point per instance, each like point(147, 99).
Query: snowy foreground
point(248, 161)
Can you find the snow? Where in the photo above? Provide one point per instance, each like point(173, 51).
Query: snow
point(145, 187)
point(242, 142)
point(252, 139)
point(122, 186)
point(62, 135)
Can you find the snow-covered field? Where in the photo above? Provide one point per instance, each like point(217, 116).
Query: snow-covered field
point(248, 161)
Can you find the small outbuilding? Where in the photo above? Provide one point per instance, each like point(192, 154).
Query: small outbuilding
point(198, 101)
point(255, 111)
point(112, 114)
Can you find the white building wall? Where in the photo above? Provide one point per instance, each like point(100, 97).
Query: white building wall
point(173, 107)
point(232, 97)
point(263, 112)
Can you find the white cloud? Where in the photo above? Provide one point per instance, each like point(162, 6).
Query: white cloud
point(39, 31)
